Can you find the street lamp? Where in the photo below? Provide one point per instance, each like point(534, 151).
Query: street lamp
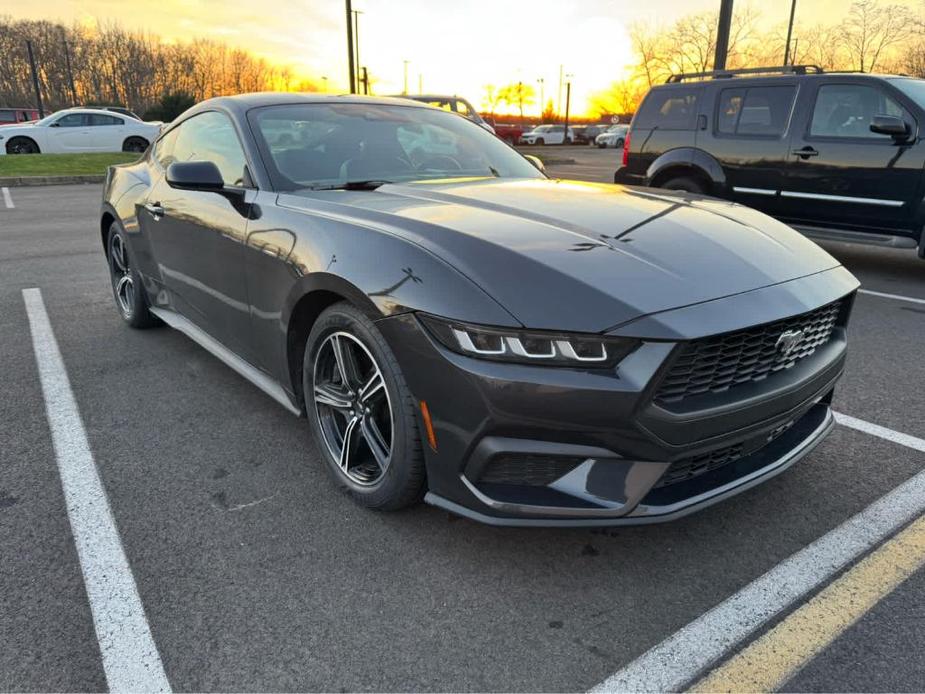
point(405, 89)
point(788, 56)
point(542, 95)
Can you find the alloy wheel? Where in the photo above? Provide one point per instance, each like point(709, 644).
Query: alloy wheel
point(122, 282)
point(353, 407)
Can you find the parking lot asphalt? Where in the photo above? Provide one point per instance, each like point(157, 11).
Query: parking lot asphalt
point(255, 573)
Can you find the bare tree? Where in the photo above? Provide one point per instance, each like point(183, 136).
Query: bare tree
point(871, 29)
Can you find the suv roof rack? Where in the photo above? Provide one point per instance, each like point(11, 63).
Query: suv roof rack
point(726, 74)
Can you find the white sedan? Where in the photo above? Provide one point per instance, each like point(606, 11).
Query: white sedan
point(79, 130)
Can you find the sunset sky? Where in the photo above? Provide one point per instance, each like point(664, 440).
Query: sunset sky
point(456, 46)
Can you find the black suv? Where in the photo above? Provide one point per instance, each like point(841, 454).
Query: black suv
point(835, 155)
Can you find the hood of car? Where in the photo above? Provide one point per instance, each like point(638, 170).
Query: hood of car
point(566, 255)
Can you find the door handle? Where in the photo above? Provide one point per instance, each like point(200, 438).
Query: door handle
point(155, 209)
point(806, 152)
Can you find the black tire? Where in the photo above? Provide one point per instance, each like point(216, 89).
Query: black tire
point(684, 183)
point(127, 287)
point(540, 141)
point(402, 482)
point(135, 144)
point(618, 144)
point(602, 145)
point(22, 145)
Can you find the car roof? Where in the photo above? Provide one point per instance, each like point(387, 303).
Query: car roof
point(760, 79)
point(245, 102)
point(81, 109)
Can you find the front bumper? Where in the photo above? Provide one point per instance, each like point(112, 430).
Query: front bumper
point(523, 445)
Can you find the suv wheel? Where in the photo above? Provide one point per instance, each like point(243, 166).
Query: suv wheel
point(540, 141)
point(684, 183)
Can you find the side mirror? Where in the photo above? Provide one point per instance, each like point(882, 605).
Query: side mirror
point(893, 126)
point(536, 161)
point(195, 175)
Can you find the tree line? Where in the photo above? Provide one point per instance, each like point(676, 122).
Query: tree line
point(112, 65)
point(872, 36)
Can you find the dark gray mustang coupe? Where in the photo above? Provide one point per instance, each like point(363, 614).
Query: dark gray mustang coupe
point(455, 325)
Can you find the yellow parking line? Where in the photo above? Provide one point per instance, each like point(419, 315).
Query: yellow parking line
point(771, 660)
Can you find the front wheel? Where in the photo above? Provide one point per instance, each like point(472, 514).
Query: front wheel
point(540, 141)
point(363, 416)
point(22, 145)
point(127, 288)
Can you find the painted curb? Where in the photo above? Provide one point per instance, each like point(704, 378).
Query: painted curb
point(16, 181)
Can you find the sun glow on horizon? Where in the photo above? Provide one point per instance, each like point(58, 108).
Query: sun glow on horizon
point(440, 46)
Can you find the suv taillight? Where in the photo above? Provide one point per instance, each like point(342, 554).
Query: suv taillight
point(626, 149)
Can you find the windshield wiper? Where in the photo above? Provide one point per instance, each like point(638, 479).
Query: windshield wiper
point(370, 184)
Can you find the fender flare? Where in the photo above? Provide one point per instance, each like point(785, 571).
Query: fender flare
point(692, 158)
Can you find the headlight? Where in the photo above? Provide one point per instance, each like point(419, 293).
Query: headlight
point(529, 346)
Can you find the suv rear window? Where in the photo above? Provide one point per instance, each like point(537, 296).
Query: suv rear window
point(669, 109)
point(754, 111)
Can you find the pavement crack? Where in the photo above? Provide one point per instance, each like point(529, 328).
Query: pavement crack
point(220, 501)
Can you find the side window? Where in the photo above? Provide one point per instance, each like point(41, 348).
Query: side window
point(669, 109)
point(846, 110)
point(163, 148)
point(211, 137)
point(72, 120)
point(463, 108)
point(99, 119)
point(729, 108)
point(761, 111)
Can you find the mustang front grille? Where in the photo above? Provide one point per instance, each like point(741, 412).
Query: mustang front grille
point(716, 364)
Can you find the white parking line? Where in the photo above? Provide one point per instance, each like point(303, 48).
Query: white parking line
point(898, 297)
point(680, 658)
point(7, 198)
point(130, 658)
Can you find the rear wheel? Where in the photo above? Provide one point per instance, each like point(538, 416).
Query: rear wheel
point(363, 416)
point(127, 289)
point(684, 183)
point(22, 145)
point(135, 144)
point(618, 144)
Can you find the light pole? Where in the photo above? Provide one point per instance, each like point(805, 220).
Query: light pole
point(324, 81)
point(788, 58)
point(67, 65)
point(542, 96)
point(356, 40)
point(350, 64)
point(559, 100)
point(35, 79)
point(722, 35)
point(405, 89)
point(568, 98)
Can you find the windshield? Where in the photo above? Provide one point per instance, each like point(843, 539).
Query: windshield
point(913, 88)
point(325, 145)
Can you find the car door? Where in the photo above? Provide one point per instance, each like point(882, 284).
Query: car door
point(840, 174)
point(70, 133)
point(197, 237)
point(750, 137)
point(107, 132)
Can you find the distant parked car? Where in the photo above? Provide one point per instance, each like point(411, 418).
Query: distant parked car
point(455, 104)
point(78, 130)
point(510, 133)
point(592, 131)
point(614, 136)
point(547, 135)
point(11, 116)
point(837, 156)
